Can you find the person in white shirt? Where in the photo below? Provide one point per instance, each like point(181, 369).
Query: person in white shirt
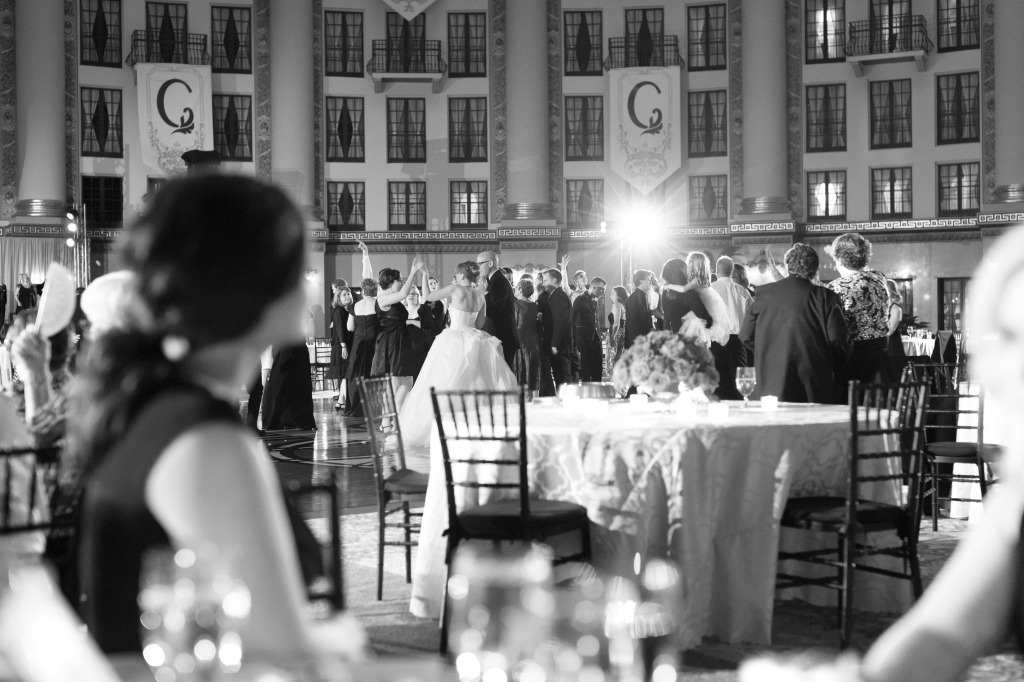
point(731, 355)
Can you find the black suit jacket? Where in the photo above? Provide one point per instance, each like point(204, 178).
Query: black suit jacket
point(797, 335)
point(501, 313)
point(638, 317)
point(584, 319)
point(561, 312)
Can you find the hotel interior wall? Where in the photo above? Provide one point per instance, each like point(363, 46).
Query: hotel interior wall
point(927, 259)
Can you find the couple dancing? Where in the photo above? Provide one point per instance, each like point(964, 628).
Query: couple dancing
point(463, 356)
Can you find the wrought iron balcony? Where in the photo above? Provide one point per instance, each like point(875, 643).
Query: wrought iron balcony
point(643, 51)
point(406, 60)
point(890, 40)
point(167, 47)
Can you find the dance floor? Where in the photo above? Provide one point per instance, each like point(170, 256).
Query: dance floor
point(342, 444)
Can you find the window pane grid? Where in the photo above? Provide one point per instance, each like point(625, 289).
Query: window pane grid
point(826, 195)
point(467, 44)
point(346, 205)
point(584, 128)
point(890, 114)
point(959, 189)
point(891, 195)
point(407, 205)
point(707, 123)
point(343, 44)
point(825, 26)
point(101, 122)
point(583, 44)
point(585, 203)
point(957, 104)
point(467, 129)
point(232, 126)
point(103, 197)
point(406, 131)
point(101, 32)
point(645, 32)
point(345, 129)
point(232, 39)
point(166, 32)
point(826, 118)
point(952, 302)
point(706, 37)
point(707, 197)
point(958, 24)
point(469, 203)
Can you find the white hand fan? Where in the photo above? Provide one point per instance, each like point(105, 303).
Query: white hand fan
point(57, 304)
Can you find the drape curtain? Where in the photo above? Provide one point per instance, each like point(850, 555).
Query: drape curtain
point(31, 255)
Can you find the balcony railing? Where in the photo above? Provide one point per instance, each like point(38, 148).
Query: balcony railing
point(406, 57)
point(167, 47)
point(629, 52)
point(881, 37)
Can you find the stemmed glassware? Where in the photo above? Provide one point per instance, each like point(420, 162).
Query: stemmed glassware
point(746, 381)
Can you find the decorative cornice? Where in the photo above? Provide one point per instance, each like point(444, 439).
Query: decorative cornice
point(906, 237)
point(528, 232)
point(735, 104)
point(767, 239)
point(795, 106)
point(556, 166)
point(8, 112)
point(16, 230)
point(381, 236)
point(499, 112)
point(1000, 218)
point(72, 112)
point(994, 232)
point(318, 113)
point(888, 225)
point(512, 246)
point(261, 84)
point(781, 226)
point(988, 100)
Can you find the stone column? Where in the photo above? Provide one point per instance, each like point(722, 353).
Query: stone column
point(526, 45)
point(39, 59)
point(1009, 96)
point(291, 98)
point(764, 108)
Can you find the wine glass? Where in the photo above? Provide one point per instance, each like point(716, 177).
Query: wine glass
point(746, 381)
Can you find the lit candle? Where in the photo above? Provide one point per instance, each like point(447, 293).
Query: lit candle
point(638, 399)
point(769, 402)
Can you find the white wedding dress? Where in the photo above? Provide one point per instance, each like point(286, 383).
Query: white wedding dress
point(722, 320)
point(462, 357)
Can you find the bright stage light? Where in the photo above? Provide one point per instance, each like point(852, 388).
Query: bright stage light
point(643, 223)
point(604, 227)
point(72, 227)
point(70, 242)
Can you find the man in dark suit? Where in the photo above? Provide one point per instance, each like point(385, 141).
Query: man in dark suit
point(3, 304)
point(557, 330)
point(501, 306)
point(638, 312)
point(797, 335)
point(547, 382)
point(584, 330)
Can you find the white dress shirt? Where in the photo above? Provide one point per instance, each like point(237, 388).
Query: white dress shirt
point(737, 301)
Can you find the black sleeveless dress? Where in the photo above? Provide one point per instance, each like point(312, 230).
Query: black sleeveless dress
point(395, 354)
point(360, 360)
point(117, 527)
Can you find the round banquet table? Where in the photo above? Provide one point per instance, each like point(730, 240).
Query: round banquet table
point(708, 493)
point(913, 345)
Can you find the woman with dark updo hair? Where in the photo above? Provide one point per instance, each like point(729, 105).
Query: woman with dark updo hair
point(461, 357)
point(155, 416)
point(364, 326)
point(396, 353)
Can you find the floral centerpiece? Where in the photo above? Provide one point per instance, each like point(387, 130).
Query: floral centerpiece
point(666, 362)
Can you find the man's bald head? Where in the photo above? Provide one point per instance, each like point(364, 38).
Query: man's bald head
point(488, 262)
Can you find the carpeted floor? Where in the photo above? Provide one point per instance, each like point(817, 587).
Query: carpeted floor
point(798, 626)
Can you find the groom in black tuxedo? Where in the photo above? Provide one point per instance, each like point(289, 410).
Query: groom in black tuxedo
point(501, 307)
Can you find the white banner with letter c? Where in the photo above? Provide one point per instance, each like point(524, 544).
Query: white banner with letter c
point(175, 112)
point(646, 145)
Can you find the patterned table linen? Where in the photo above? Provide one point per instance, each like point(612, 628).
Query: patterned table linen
point(707, 494)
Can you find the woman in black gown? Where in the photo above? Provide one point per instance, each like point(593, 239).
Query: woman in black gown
point(364, 325)
point(395, 353)
point(341, 337)
point(677, 303)
point(155, 422)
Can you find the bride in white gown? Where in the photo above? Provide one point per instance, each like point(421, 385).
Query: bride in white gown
point(462, 357)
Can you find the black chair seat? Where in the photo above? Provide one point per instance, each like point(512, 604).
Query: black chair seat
point(829, 514)
point(547, 517)
point(406, 482)
point(953, 452)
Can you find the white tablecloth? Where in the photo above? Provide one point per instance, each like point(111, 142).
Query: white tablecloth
point(915, 346)
point(708, 494)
